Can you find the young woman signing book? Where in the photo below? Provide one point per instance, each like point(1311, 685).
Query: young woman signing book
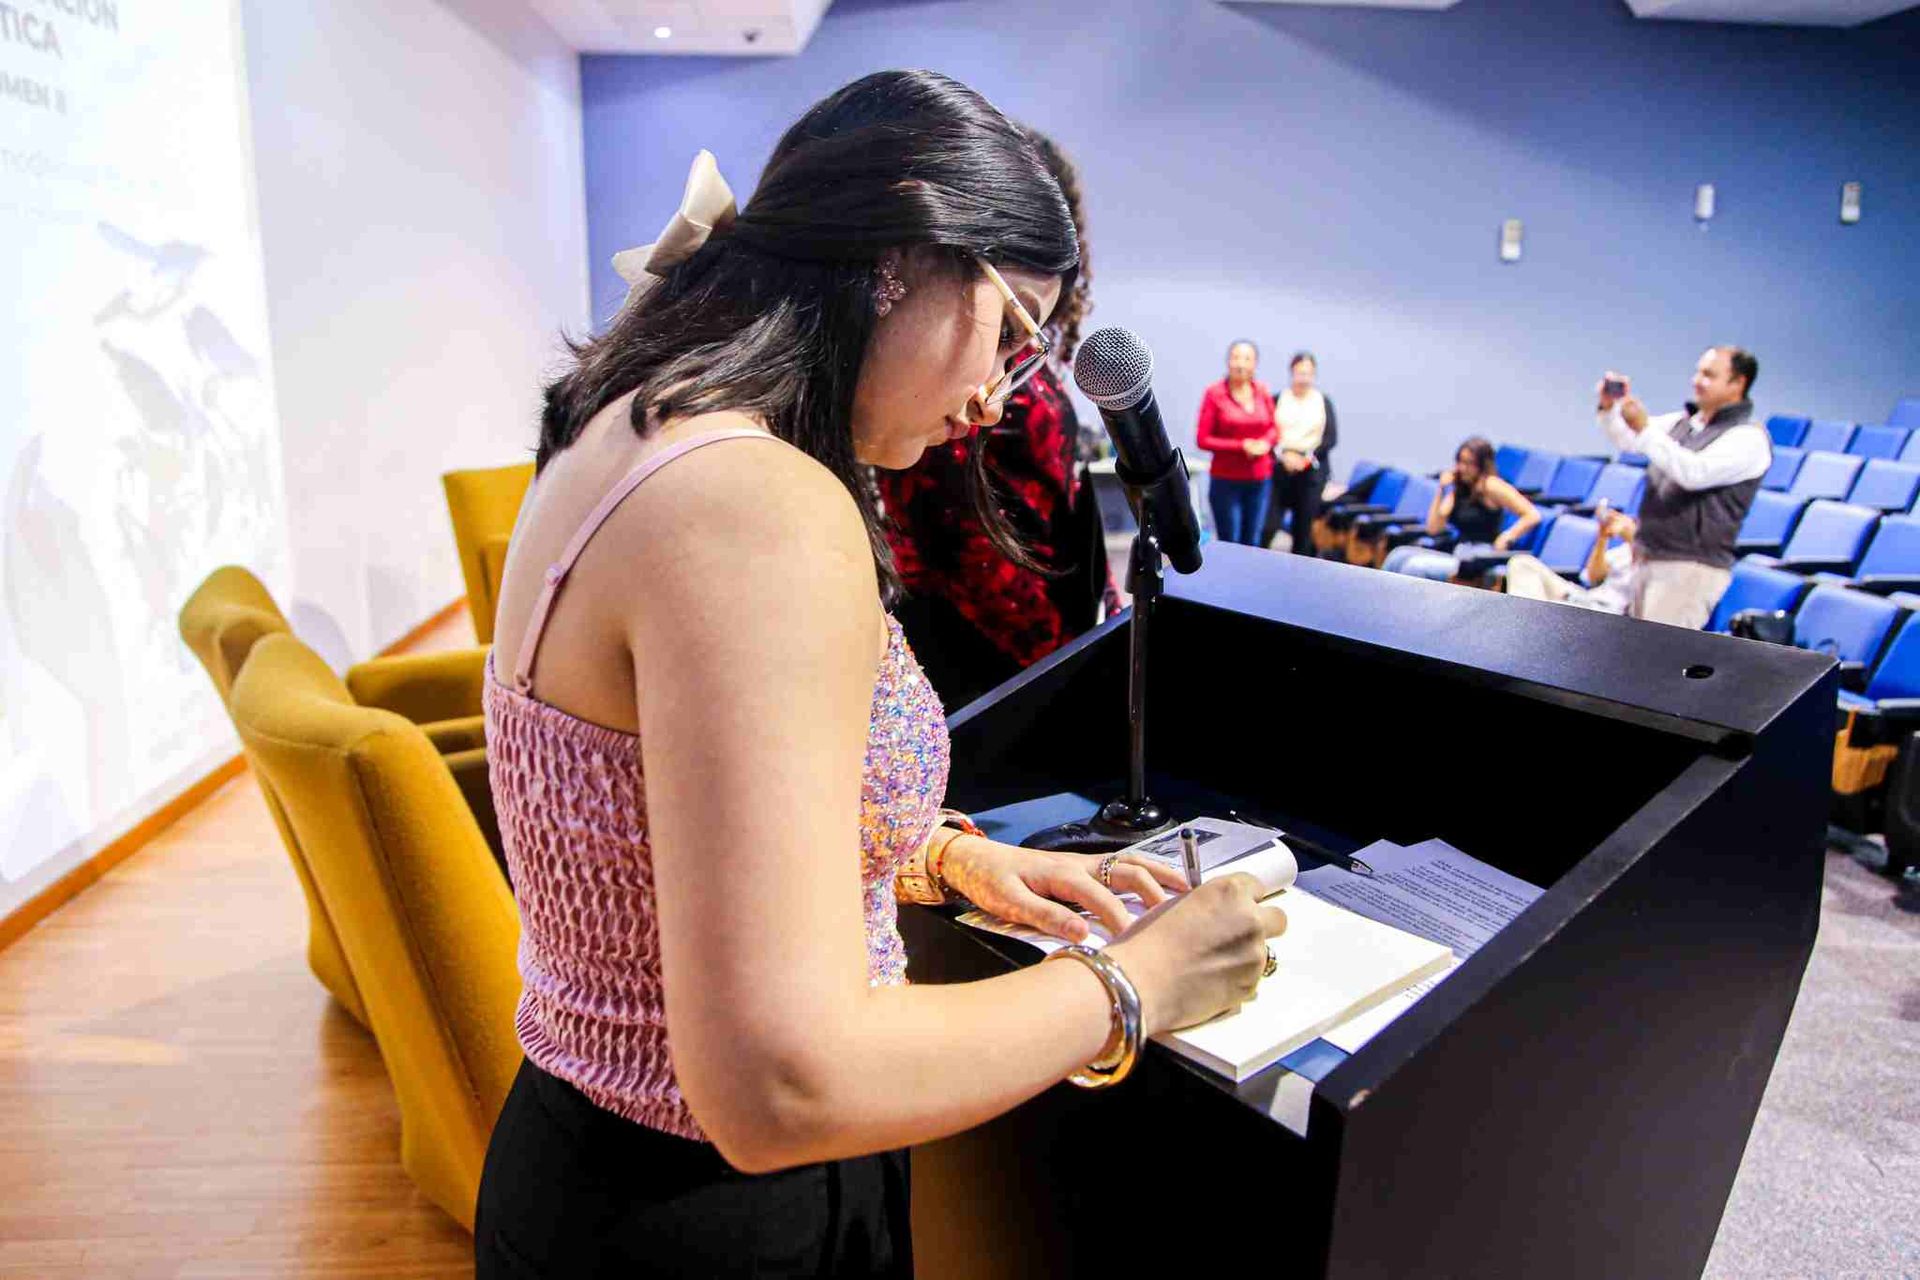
point(716, 763)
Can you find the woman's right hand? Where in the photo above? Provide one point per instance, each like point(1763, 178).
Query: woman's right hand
point(1201, 954)
point(1446, 478)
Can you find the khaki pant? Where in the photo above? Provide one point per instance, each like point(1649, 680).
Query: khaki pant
point(1680, 593)
point(1530, 579)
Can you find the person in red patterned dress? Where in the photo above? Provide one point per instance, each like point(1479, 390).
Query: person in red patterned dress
point(975, 614)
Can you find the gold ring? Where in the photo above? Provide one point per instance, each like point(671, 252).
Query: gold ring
point(1273, 964)
point(1106, 870)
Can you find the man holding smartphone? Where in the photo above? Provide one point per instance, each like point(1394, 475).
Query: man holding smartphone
point(1704, 464)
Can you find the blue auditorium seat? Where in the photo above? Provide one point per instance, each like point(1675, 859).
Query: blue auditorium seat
point(1878, 442)
point(1892, 562)
point(1896, 675)
point(1507, 461)
point(1885, 485)
point(1769, 523)
point(1830, 435)
point(1826, 475)
point(1410, 510)
point(1620, 485)
point(1879, 708)
point(1362, 468)
point(1572, 480)
point(1387, 484)
point(1906, 413)
point(1379, 494)
point(1565, 546)
point(1910, 452)
point(1757, 586)
point(1631, 459)
point(1851, 625)
point(1535, 472)
point(1786, 465)
point(1787, 429)
point(1831, 537)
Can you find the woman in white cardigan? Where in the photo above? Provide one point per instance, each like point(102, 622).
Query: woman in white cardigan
point(1305, 418)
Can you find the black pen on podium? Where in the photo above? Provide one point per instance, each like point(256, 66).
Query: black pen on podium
point(1345, 861)
point(1190, 857)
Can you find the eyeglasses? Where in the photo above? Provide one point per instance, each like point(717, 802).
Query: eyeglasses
point(1027, 360)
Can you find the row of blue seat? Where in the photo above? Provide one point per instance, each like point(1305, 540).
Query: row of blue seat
point(1896, 439)
point(1871, 482)
point(1851, 493)
point(1556, 478)
point(1875, 638)
point(1821, 536)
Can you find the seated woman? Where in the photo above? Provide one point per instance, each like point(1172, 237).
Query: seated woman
point(1472, 498)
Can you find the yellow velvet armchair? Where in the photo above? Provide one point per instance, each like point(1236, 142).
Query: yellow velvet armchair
point(222, 621)
point(483, 504)
point(232, 611)
point(422, 913)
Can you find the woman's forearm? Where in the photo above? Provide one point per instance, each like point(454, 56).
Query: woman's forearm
point(902, 1065)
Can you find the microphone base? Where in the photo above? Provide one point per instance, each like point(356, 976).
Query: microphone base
point(1118, 824)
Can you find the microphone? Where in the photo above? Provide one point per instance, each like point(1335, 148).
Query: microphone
point(1114, 369)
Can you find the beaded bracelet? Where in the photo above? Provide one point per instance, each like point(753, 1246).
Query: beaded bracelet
point(921, 877)
point(965, 826)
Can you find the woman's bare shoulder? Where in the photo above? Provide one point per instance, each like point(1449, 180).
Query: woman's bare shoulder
point(1504, 494)
point(744, 508)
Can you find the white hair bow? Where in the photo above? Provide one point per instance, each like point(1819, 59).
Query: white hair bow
point(707, 206)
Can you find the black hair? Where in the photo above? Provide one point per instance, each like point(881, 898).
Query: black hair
point(1076, 303)
point(1298, 356)
point(1745, 364)
point(772, 316)
point(1482, 450)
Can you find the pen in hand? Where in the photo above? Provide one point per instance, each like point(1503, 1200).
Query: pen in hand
point(1190, 856)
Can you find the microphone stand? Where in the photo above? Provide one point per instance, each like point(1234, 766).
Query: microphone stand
point(1133, 818)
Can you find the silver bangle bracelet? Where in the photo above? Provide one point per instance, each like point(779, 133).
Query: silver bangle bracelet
point(1116, 1064)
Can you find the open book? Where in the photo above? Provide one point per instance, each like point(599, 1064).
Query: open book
point(1334, 964)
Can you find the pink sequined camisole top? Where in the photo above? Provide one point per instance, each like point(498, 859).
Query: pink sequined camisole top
point(573, 817)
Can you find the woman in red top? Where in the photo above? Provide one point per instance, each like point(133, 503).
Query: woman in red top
point(1237, 426)
point(975, 615)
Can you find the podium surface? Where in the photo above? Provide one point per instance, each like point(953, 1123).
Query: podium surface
point(1575, 1098)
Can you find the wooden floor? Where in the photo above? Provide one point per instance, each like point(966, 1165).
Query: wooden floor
point(178, 1096)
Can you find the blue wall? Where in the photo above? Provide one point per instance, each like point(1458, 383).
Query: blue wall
point(1336, 178)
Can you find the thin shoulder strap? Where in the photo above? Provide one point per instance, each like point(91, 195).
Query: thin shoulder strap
point(557, 572)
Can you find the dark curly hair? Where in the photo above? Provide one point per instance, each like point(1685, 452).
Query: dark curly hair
point(772, 318)
point(1076, 303)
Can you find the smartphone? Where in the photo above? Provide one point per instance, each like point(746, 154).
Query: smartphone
point(1614, 387)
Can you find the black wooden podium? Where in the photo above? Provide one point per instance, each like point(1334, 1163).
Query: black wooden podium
point(1574, 1100)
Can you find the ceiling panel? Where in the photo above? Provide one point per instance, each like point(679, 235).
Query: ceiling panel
point(1802, 13)
point(1818, 13)
point(1364, 4)
point(752, 28)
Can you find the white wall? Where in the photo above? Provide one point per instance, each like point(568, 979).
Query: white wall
point(139, 446)
point(421, 231)
point(422, 210)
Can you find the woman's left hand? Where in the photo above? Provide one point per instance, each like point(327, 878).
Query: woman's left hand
point(1031, 887)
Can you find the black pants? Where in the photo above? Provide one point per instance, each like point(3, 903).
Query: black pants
point(1298, 492)
point(570, 1190)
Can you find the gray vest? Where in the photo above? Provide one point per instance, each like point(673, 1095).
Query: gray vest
point(1700, 526)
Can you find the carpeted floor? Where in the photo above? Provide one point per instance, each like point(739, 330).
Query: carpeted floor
point(1830, 1185)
